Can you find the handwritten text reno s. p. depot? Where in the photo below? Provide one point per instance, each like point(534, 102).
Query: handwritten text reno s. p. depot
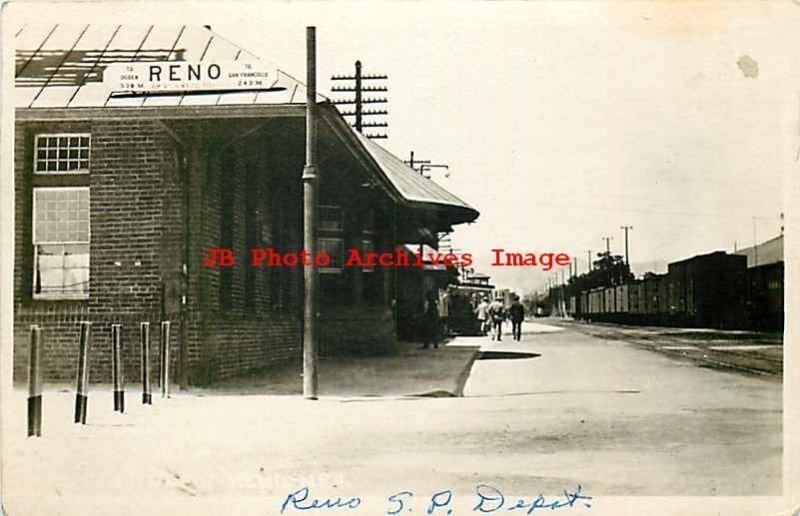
point(398, 258)
point(485, 499)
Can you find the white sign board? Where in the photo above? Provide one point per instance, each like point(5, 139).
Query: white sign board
point(179, 76)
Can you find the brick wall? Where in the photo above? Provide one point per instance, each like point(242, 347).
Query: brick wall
point(147, 180)
point(135, 237)
point(358, 331)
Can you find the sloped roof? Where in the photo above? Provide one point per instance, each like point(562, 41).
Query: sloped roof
point(61, 66)
point(411, 184)
point(764, 253)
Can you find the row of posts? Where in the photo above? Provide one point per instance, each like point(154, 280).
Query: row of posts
point(117, 376)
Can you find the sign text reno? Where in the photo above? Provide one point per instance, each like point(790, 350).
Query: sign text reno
point(189, 76)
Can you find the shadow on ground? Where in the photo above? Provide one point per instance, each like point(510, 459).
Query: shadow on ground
point(412, 371)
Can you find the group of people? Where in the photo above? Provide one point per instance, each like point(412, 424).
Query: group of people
point(492, 315)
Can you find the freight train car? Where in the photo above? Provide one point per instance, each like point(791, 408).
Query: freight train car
point(712, 291)
point(608, 297)
point(765, 297)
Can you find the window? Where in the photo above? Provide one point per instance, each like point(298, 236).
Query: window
point(368, 222)
point(61, 243)
point(61, 154)
point(367, 246)
point(333, 247)
point(331, 218)
point(331, 224)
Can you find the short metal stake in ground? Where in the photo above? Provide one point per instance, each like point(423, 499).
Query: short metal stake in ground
point(117, 377)
point(144, 333)
point(82, 387)
point(163, 379)
point(35, 383)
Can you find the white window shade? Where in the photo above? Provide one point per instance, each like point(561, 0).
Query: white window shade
point(61, 236)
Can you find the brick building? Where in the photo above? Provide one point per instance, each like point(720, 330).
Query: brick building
point(118, 198)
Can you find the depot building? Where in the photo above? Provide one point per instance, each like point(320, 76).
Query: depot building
point(121, 189)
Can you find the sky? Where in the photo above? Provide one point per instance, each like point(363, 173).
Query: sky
point(562, 121)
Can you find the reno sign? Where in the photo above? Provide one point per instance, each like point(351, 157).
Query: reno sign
point(176, 76)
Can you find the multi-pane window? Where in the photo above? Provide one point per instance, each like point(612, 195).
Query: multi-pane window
point(331, 224)
point(368, 222)
point(61, 153)
point(333, 247)
point(61, 243)
point(367, 246)
point(331, 218)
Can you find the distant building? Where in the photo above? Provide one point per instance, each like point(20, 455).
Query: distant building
point(477, 279)
point(764, 253)
point(119, 197)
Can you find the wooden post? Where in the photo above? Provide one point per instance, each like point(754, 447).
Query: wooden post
point(164, 359)
point(35, 382)
point(144, 333)
point(116, 368)
point(82, 387)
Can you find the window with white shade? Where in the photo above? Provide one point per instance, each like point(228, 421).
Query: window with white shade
point(61, 243)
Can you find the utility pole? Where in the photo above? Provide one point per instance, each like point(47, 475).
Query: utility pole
point(755, 243)
point(421, 165)
point(411, 161)
point(310, 179)
point(589, 260)
point(626, 228)
point(608, 245)
point(359, 100)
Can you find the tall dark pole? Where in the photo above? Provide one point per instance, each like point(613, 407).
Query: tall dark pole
point(360, 99)
point(608, 245)
point(626, 228)
point(589, 258)
point(310, 222)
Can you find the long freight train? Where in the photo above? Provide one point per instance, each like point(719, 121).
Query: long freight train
point(714, 290)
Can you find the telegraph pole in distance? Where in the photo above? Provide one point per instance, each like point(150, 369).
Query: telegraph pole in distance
point(589, 258)
point(359, 100)
point(411, 162)
point(626, 228)
point(422, 165)
point(608, 244)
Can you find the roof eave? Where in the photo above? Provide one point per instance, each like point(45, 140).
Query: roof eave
point(457, 214)
point(24, 114)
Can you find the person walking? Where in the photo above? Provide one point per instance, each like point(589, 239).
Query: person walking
point(497, 314)
point(430, 321)
point(517, 314)
point(444, 313)
point(482, 313)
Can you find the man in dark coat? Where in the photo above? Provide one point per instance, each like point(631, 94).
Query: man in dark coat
point(430, 322)
point(517, 313)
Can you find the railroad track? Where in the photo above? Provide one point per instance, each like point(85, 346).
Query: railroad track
point(691, 348)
